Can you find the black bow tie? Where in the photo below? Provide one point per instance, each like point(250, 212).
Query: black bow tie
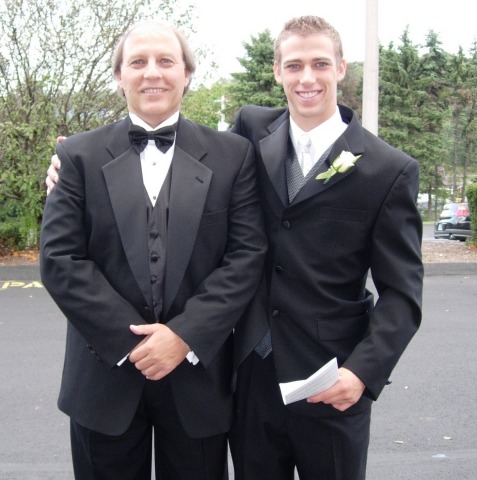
point(163, 137)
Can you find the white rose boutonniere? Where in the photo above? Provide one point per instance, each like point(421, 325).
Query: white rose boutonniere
point(341, 164)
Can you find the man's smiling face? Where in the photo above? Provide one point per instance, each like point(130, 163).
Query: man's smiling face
point(309, 70)
point(153, 75)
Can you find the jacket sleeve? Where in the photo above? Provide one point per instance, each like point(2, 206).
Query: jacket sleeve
point(397, 272)
point(80, 288)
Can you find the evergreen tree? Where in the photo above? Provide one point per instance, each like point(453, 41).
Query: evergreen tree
point(412, 105)
point(350, 89)
point(256, 84)
point(462, 101)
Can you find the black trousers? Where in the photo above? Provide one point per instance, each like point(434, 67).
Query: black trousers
point(129, 456)
point(268, 441)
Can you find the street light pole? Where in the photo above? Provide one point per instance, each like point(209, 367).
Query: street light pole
point(371, 69)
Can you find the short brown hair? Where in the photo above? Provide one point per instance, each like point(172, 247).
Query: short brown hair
point(309, 25)
point(187, 52)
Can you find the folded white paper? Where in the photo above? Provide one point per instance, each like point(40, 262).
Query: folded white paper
point(321, 380)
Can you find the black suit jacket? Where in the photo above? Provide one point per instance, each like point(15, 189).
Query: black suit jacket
point(321, 247)
point(94, 263)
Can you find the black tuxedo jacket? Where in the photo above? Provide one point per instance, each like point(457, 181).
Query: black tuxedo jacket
point(321, 247)
point(94, 263)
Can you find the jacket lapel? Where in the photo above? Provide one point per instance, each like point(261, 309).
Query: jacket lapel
point(190, 183)
point(273, 149)
point(125, 186)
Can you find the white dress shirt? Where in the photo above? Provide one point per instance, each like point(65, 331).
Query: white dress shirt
point(321, 137)
point(154, 163)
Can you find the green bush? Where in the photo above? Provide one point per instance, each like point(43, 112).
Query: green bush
point(18, 234)
point(472, 201)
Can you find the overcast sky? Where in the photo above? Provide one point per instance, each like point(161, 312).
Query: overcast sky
point(224, 25)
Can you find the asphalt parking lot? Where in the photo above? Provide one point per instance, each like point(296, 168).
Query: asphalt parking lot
point(424, 424)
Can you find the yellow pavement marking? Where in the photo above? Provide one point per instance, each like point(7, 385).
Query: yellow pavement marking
point(6, 284)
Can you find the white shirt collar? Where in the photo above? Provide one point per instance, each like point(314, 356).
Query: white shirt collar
point(141, 123)
point(321, 136)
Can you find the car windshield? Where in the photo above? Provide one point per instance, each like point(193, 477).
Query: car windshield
point(455, 210)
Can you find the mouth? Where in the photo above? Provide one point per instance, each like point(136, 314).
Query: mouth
point(307, 95)
point(153, 90)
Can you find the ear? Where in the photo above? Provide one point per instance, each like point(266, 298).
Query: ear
point(342, 70)
point(278, 73)
point(117, 78)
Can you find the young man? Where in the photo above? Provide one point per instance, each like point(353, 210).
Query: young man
point(152, 246)
point(327, 227)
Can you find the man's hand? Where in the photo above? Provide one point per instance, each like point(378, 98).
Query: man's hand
point(159, 353)
point(52, 172)
point(344, 393)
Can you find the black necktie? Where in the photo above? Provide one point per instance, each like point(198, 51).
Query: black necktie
point(163, 137)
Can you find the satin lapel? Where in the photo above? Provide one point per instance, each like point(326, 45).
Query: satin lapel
point(190, 183)
point(273, 150)
point(125, 186)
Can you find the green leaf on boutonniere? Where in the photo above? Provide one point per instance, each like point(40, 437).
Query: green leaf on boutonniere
point(341, 164)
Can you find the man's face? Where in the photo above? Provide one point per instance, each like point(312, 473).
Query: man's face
point(309, 72)
point(153, 75)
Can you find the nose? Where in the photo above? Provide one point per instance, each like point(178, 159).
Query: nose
point(152, 70)
point(307, 76)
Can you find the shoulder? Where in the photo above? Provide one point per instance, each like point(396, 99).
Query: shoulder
point(255, 122)
point(387, 153)
point(96, 136)
point(372, 146)
point(259, 115)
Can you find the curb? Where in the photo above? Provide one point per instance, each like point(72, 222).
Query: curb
point(435, 269)
point(430, 269)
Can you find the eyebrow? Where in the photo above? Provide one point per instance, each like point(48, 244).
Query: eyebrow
point(300, 60)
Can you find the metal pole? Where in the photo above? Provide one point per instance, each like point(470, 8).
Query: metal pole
point(371, 69)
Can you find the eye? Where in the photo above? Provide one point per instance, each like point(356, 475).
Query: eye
point(137, 61)
point(293, 66)
point(321, 64)
point(166, 62)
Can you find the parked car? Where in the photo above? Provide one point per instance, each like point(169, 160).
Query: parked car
point(452, 215)
point(461, 230)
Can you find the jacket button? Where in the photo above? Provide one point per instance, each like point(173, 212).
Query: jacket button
point(275, 313)
point(286, 224)
point(279, 269)
point(93, 351)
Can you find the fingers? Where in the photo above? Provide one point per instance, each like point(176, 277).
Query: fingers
point(60, 139)
point(55, 163)
point(343, 394)
point(159, 353)
point(52, 173)
point(144, 329)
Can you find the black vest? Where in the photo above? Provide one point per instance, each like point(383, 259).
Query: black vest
point(157, 234)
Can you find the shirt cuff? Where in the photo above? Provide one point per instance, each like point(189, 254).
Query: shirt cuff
point(192, 357)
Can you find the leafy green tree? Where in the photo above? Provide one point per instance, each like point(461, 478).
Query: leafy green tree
point(204, 104)
point(55, 78)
